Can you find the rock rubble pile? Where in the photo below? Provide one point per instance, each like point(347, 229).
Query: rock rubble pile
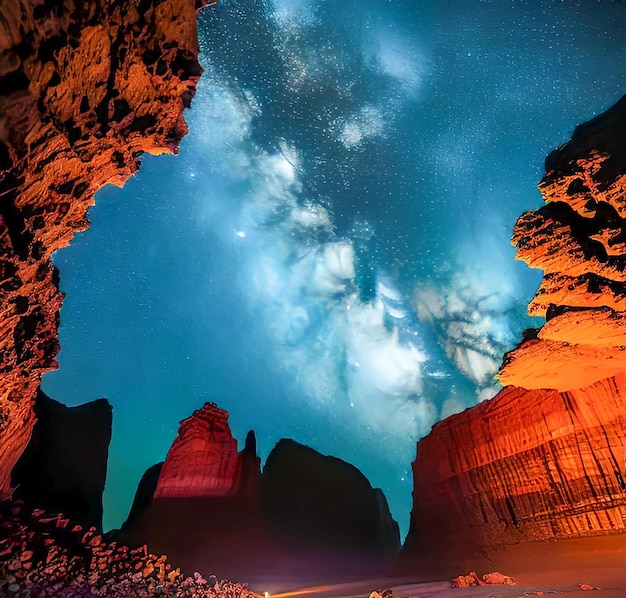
point(47, 555)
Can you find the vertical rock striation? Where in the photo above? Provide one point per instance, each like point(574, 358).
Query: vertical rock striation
point(527, 466)
point(85, 89)
point(546, 458)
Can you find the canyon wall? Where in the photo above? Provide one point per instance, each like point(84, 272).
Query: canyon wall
point(85, 89)
point(545, 460)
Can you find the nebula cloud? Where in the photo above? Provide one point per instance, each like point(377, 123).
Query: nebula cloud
point(299, 279)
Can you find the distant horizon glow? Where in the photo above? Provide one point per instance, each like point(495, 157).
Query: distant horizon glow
point(328, 257)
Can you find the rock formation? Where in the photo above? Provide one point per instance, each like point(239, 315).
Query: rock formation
point(85, 88)
point(63, 468)
point(204, 509)
point(203, 461)
point(527, 466)
point(579, 240)
point(545, 459)
point(212, 509)
point(143, 495)
point(324, 515)
point(46, 555)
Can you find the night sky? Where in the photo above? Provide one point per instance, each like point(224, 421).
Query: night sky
point(328, 256)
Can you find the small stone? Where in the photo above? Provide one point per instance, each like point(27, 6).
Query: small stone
point(172, 575)
point(13, 587)
point(13, 565)
point(62, 523)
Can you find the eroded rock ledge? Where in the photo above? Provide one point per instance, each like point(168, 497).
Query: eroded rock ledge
point(85, 89)
point(579, 240)
point(545, 460)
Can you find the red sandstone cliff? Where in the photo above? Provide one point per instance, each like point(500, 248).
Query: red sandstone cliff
point(85, 88)
point(527, 466)
point(546, 458)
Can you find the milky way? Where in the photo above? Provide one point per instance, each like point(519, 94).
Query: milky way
point(328, 256)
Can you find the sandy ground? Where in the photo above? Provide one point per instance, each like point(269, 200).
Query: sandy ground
point(404, 588)
point(542, 569)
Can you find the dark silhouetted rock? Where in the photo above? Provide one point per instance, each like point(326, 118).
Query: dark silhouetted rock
point(307, 515)
point(143, 497)
point(64, 467)
point(323, 513)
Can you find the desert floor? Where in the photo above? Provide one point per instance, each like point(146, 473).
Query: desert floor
point(543, 569)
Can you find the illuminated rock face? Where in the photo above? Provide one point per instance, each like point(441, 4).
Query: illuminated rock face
point(579, 240)
point(529, 465)
point(546, 458)
point(85, 88)
point(203, 460)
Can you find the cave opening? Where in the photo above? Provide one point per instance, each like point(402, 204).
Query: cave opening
point(328, 256)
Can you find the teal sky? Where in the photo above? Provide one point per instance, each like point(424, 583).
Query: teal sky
point(328, 256)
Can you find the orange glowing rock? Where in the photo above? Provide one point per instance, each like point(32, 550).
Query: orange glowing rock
point(87, 87)
point(587, 291)
point(597, 327)
point(529, 465)
point(545, 363)
point(578, 239)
